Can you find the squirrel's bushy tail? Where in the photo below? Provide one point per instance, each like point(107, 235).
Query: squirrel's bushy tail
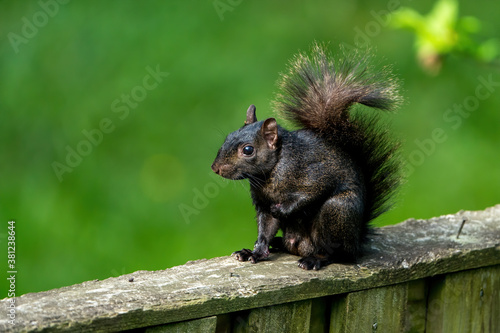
point(317, 94)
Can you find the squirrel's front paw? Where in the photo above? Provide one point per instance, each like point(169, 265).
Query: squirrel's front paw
point(248, 255)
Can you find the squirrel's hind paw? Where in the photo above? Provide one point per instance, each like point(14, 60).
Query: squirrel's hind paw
point(311, 262)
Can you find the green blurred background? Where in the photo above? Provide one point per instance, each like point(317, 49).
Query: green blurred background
point(142, 196)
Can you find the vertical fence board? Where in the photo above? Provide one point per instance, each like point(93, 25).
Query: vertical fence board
point(290, 317)
point(338, 314)
point(239, 322)
point(320, 315)
point(396, 308)
point(416, 306)
point(467, 301)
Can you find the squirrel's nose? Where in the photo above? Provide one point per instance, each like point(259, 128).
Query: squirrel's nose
point(215, 168)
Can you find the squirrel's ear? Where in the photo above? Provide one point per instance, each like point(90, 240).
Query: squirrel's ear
point(251, 117)
point(270, 132)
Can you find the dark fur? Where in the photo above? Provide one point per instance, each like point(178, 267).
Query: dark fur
point(322, 184)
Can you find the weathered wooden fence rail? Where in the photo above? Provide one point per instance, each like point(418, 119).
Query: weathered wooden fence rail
point(417, 276)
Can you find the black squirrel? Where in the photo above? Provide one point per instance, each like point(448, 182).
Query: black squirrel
point(323, 183)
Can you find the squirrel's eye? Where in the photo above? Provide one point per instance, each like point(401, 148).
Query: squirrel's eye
point(248, 150)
